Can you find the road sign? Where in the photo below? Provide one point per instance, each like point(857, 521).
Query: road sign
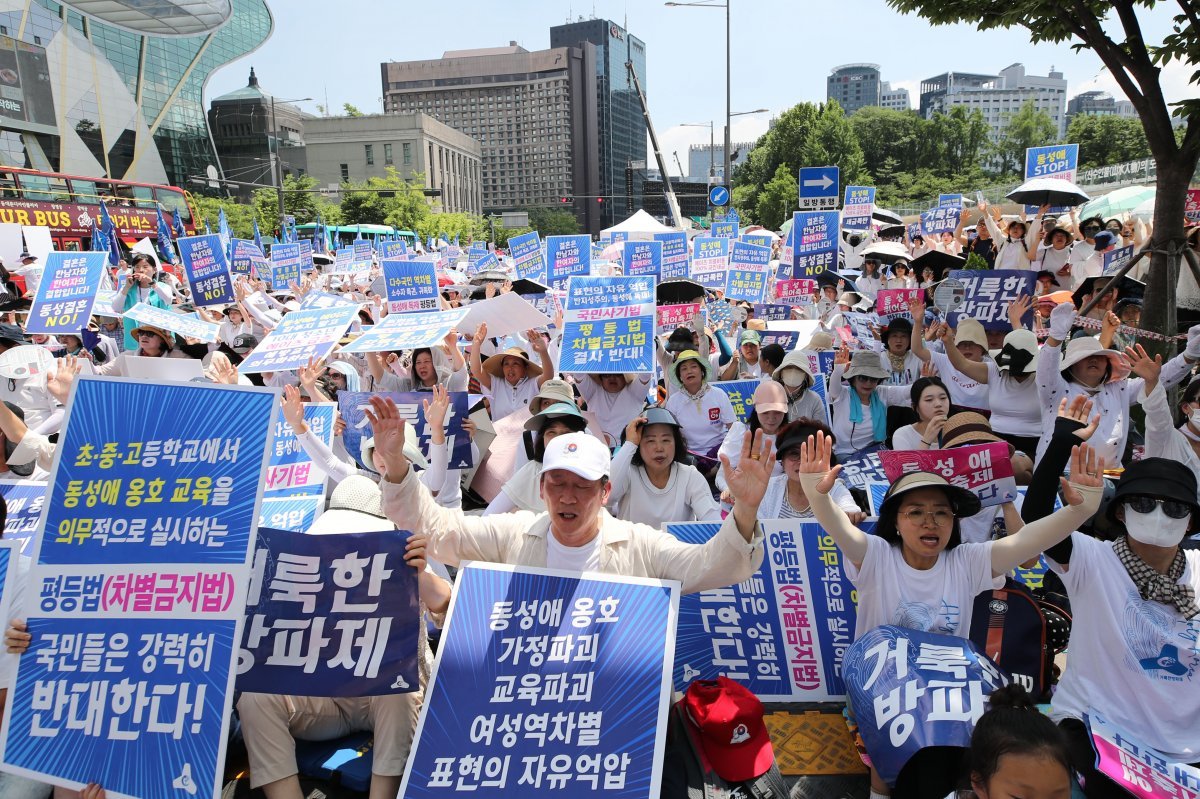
point(818, 187)
point(718, 196)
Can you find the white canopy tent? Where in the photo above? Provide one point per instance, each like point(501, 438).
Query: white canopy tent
point(641, 223)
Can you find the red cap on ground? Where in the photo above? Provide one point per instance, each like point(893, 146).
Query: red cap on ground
point(733, 734)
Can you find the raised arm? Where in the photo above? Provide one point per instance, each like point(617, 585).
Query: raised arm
point(540, 346)
point(485, 380)
point(818, 480)
point(916, 309)
point(976, 370)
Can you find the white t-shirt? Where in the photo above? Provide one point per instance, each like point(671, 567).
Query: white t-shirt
point(936, 600)
point(507, 398)
point(964, 392)
point(1137, 663)
point(704, 421)
point(1016, 408)
point(614, 411)
point(906, 438)
point(573, 559)
point(908, 374)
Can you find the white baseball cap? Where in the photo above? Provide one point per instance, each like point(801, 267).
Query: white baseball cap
point(580, 453)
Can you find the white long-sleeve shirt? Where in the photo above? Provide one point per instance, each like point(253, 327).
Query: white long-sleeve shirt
point(1164, 440)
point(686, 497)
point(1011, 253)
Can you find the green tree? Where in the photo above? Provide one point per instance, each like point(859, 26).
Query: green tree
point(1027, 128)
point(241, 217)
point(777, 199)
point(1135, 64)
point(351, 110)
point(553, 222)
point(467, 227)
point(891, 141)
point(1107, 140)
point(957, 140)
point(300, 199)
point(388, 200)
point(781, 145)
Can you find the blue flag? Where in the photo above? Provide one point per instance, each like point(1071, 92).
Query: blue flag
point(319, 236)
point(207, 229)
point(166, 247)
point(257, 237)
point(110, 232)
point(225, 233)
point(177, 221)
point(100, 241)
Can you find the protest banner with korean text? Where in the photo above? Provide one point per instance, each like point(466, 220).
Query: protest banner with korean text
point(862, 468)
point(177, 323)
point(911, 689)
point(24, 500)
point(674, 254)
point(950, 201)
point(323, 299)
point(306, 255)
point(140, 574)
point(1141, 770)
point(723, 230)
point(642, 258)
point(943, 219)
point(758, 239)
point(893, 303)
point(300, 336)
point(983, 469)
point(799, 605)
point(526, 252)
point(795, 291)
point(407, 331)
point(772, 312)
point(1191, 207)
point(746, 278)
point(285, 265)
point(393, 249)
point(608, 325)
point(568, 256)
point(741, 396)
point(988, 293)
point(1115, 260)
point(815, 249)
point(857, 207)
point(207, 270)
point(670, 317)
point(1059, 161)
point(246, 254)
point(710, 259)
point(411, 286)
point(290, 466)
point(353, 405)
point(788, 339)
point(330, 615)
point(296, 513)
point(67, 293)
point(544, 685)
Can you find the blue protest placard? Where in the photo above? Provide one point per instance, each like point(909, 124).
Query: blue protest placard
point(343, 260)
point(863, 467)
point(815, 247)
point(299, 336)
point(760, 239)
point(608, 325)
point(674, 254)
point(245, 255)
point(746, 278)
point(207, 270)
point(788, 339)
point(353, 405)
point(1059, 161)
point(526, 252)
point(24, 500)
point(723, 230)
point(411, 286)
point(140, 579)
point(177, 323)
point(407, 331)
point(911, 689)
point(616, 236)
point(330, 615)
point(772, 312)
point(533, 643)
point(710, 259)
point(943, 219)
point(290, 466)
point(486, 262)
point(741, 396)
point(393, 249)
point(296, 513)
point(799, 605)
point(66, 293)
point(363, 251)
point(1115, 260)
point(567, 256)
point(285, 266)
point(306, 255)
point(857, 207)
point(642, 258)
point(818, 187)
point(950, 200)
point(988, 294)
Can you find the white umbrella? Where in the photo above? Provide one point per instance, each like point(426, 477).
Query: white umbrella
point(1145, 210)
point(887, 251)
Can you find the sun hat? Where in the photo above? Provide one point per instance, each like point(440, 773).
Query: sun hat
point(552, 391)
point(819, 341)
point(166, 335)
point(1104, 239)
point(494, 365)
point(1018, 351)
point(355, 506)
point(866, 363)
point(1161, 478)
point(793, 434)
point(749, 337)
point(567, 411)
point(1085, 347)
point(962, 501)
point(795, 359)
point(967, 427)
point(684, 357)
point(579, 453)
point(13, 334)
point(660, 416)
point(970, 331)
point(898, 325)
point(770, 396)
point(732, 733)
point(412, 449)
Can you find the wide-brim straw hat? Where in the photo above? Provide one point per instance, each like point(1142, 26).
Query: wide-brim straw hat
point(166, 335)
point(967, 427)
point(866, 363)
point(494, 365)
point(1085, 347)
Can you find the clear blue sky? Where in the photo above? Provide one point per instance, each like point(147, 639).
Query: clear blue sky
point(782, 51)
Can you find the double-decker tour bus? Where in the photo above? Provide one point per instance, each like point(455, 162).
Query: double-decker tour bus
point(67, 204)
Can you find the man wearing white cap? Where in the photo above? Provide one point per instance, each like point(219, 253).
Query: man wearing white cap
point(576, 533)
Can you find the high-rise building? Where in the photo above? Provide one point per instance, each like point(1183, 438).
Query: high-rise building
point(116, 89)
point(853, 86)
point(895, 99)
point(1098, 104)
point(622, 127)
point(997, 97)
point(533, 114)
point(703, 157)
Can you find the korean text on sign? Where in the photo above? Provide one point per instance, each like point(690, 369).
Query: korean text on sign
point(207, 269)
point(568, 256)
point(66, 293)
point(608, 325)
point(353, 406)
point(411, 286)
point(747, 275)
point(526, 252)
point(983, 469)
point(674, 254)
point(301, 335)
point(815, 244)
point(285, 265)
point(988, 294)
point(710, 259)
point(857, 207)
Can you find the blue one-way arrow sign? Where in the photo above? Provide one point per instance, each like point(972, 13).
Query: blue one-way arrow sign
point(718, 196)
point(818, 187)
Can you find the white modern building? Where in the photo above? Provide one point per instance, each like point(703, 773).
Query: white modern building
point(896, 99)
point(998, 97)
point(703, 159)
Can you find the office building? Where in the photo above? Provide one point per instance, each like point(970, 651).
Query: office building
point(249, 127)
point(894, 99)
point(703, 157)
point(997, 97)
point(533, 114)
point(353, 149)
point(853, 86)
point(116, 89)
point(1098, 104)
point(621, 125)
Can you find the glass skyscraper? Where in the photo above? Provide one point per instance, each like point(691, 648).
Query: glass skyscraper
point(112, 90)
point(622, 128)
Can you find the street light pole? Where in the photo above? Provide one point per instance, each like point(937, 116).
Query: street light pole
point(276, 154)
point(728, 90)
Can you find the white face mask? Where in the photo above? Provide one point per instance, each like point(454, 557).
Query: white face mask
point(792, 377)
point(1156, 528)
point(1194, 418)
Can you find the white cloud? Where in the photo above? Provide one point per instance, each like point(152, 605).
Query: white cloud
point(1173, 78)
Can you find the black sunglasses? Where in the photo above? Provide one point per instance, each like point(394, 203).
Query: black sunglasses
point(1173, 508)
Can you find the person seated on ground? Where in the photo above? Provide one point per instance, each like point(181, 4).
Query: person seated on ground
point(152, 342)
point(931, 402)
point(969, 339)
point(795, 375)
point(859, 414)
point(508, 379)
point(900, 360)
point(914, 571)
point(744, 365)
point(704, 412)
point(521, 491)
point(768, 414)
point(1164, 440)
point(1016, 751)
point(614, 399)
point(653, 481)
point(785, 497)
point(576, 533)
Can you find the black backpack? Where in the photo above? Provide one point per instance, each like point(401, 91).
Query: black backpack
point(1014, 628)
point(687, 774)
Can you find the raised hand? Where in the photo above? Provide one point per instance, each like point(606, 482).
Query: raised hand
point(916, 309)
point(537, 342)
point(1087, 471)
point(222, 369)
point(1017, 310)
point(928, 369)
point(1143, 365)
point(633, 430)
point(1077, 410)
point(842, 357)
point(815, 456)
point(480, 335)
point(293, 409)
point(748, 481)
point(59, 384)
point(387, 426)
point(311, 373)
point(17, 637)
point(435, 409)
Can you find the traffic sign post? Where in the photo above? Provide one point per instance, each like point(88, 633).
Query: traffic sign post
point(718, 196)
point(818, 187)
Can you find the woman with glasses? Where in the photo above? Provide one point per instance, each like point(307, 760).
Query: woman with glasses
point(859, 414)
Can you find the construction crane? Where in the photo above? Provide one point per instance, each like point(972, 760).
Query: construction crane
point(672, 202)
point(676, 154)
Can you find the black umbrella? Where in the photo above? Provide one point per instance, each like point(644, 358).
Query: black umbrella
point(1127, 287)
point(679, 291)
point(939, 262)
point(889, 230)
point(887, 252)
point(1048, 191)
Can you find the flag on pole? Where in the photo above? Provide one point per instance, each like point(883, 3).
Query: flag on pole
point(258, 238)
point(110, 234)
point(225, 233)
point(166, 245)
point(207, 229)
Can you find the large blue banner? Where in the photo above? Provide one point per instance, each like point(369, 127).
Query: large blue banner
point(568, 256)
point(747, 275)
point(526, 252)
point(674, 254)
point(138, 588)
point(815, 243)
point(642, 258)
point(285, 265)
point(911, 689)
point(608, 325)
point(66, 293)
point(207, 269)
point(546, 684)
point(411, 286)
point(710, 259)
point(943, 219)
point(290, 466)
point(407, 331)
point(300, 336)
point(353, 406)
point(23, 500)
point(857, 207)
point(330, 615)
point(783, 633)
point(988, 293)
